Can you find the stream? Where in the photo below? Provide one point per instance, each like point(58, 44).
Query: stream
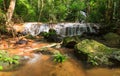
point(43, 65)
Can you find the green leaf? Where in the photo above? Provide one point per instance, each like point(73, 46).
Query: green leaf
point(1, 67)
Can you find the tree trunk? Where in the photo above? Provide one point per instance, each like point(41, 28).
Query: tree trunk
point(10, 11)
point(41, 9)
point(109, 11)
point(9, 15)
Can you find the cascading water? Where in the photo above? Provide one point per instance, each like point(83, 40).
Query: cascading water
point(35, 28)
point(63, 29)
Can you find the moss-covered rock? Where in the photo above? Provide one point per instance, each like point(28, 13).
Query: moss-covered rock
point(115, 57)
point(93, 52)
point(70, 41)
point(112, 38)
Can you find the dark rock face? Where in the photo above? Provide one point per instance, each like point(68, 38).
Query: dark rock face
point(22, 42)
point(70, 42)
point(51, 36)
point(96, 53)
point(115, 57)
point(118, 31)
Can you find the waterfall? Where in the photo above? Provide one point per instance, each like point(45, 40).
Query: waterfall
point(83, 16)
point(62, 29)
point(83, 13)
point(91, 30)
point(35, 28)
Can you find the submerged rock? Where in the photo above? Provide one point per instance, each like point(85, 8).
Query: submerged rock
point(22, 42)
point(93, 52)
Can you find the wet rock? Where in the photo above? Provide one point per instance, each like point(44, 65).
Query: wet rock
point(22, 42)
point(115, 57)
point(93, 52)
point(112, 38)
point(69, 42)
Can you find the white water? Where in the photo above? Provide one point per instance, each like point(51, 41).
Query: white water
point(35, 58)
point(63, 29)
point(35, 28)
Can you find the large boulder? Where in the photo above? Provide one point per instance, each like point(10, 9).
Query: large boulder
point(70, 42)
point(95, 53)
point(115, 57)
point(112, 38)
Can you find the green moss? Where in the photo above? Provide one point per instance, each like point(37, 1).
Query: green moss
point(112, 38)
point(30, 37)
point(96, 53)
point(91, 46)
point(70, 41)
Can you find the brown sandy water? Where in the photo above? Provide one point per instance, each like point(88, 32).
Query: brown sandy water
point(44, 66)
point(103, 72)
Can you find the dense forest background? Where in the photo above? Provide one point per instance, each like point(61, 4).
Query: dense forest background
point(63, 10)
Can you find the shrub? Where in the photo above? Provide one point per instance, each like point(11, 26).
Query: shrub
point(58, 57)
point(51, 36)
point(6, 58)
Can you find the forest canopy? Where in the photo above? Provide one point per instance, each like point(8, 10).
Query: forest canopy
point(62, 10)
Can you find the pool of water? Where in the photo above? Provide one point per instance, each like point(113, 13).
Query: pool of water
point(43, 65)
point(46, 67)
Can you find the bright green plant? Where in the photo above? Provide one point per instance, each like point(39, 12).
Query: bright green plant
point(30, 37)
point(1, 67)
point(5, 57)
point(58, 57)
point(47, 34)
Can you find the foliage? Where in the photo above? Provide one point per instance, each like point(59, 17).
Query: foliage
point(51, 36)
point(65, 10)
point(96, 10)
point(5, 57)
point(30, 37)
point(47, 34)
point(58, 57)
point(1, 67)
point(25, 10)
point(44, 34)
point(2, 17)
point(3, 29)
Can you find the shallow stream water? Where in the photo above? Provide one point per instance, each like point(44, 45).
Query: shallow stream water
point(44, 66)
